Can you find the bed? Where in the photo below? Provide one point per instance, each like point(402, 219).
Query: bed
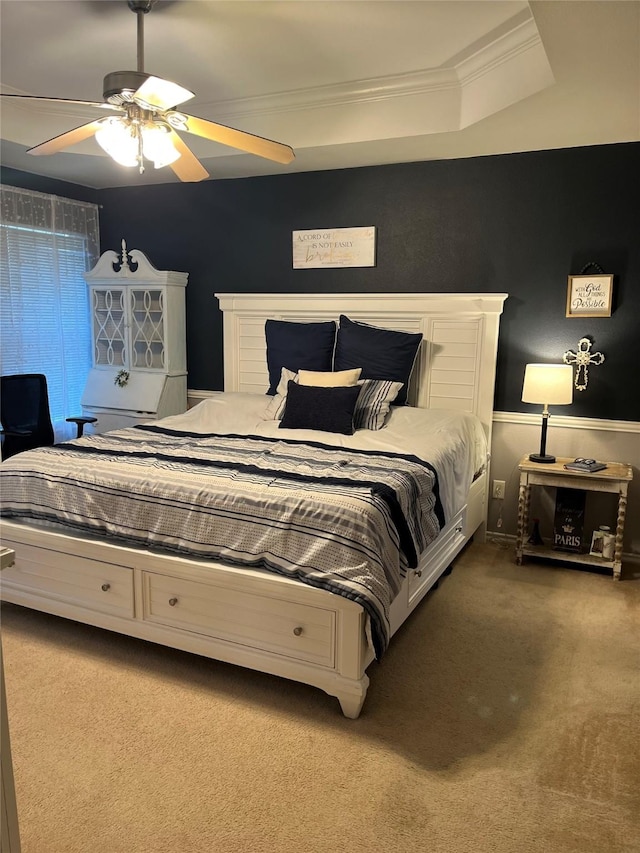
point(371, 519)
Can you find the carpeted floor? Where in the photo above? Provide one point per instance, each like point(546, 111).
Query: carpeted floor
point(505, 718)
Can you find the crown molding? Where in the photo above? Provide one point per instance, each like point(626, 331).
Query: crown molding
point(505, 66)
point(513, 60)
point(520, 39)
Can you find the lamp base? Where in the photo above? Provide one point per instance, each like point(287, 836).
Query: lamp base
point(537, 457)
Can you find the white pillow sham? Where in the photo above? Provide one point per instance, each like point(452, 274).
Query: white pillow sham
point(275, 409)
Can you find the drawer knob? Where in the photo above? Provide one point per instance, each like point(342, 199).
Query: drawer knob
point(106, 587)
point(173, 602)
point(297, 630)
point(419, 572)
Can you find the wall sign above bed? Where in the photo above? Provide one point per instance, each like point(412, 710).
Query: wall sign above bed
point(334, 247)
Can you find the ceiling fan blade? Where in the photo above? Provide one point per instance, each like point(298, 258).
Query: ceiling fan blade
point(187, 167)
point(158, 94)
point(99, 104)
point(66, 140)
point(266, 148)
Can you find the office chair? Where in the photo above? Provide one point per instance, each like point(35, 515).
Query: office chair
point(24, 413)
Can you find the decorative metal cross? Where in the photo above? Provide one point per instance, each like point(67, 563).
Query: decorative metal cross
point(582, 358)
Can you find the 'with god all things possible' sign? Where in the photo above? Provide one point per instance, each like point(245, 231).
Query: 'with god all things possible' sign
point(589, 295)
point(334, 247)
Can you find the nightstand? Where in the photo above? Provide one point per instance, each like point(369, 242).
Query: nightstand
point(615, 478)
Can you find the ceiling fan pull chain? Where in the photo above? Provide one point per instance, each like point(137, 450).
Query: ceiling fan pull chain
point(140, 152)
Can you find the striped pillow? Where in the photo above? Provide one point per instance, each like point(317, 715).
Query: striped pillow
point(374, 402)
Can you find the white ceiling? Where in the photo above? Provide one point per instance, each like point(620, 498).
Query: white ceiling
point(345, 83)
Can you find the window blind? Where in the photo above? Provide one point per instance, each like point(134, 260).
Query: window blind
point(46, 244)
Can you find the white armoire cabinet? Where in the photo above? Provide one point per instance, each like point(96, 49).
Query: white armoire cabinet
point(138, 334)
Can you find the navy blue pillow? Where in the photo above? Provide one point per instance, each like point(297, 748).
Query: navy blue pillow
point(313, 407)
point(381, 353)
point(298, 345)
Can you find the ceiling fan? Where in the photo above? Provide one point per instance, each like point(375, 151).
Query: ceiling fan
point(146, 121)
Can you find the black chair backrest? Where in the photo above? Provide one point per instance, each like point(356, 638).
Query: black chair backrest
point(24, 413)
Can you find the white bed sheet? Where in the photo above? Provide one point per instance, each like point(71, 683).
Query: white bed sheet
point(453, 442)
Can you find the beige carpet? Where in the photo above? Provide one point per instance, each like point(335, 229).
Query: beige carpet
point(504, 719)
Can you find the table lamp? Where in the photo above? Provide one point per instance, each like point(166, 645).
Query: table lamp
point(550, 385)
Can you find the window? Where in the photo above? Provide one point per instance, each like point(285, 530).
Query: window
point(46, 244)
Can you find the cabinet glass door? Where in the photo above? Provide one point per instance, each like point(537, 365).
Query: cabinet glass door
point(109, 339)
point(147, 329)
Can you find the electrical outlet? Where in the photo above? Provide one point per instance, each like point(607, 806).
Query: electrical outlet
point(498, 489)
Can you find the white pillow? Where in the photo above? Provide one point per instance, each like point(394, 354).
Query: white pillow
point(275, 409)
point(330, 378)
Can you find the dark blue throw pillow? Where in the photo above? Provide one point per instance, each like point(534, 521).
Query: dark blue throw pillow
point(298, 345)
point(327, 409)
point(381, 353)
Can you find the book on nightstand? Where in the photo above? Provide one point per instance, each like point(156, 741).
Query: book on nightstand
point(586, 465)
point(568, 522)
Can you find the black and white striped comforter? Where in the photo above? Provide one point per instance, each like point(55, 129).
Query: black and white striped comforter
point(348, 521)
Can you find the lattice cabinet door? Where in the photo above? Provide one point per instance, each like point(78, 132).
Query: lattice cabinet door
point(148, 341)
point(109, 322)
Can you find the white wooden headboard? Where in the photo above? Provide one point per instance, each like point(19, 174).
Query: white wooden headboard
point(456, 364)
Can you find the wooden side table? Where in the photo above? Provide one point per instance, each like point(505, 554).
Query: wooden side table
point(615, 478)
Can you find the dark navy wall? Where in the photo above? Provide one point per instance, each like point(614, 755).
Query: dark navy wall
point(516, 223)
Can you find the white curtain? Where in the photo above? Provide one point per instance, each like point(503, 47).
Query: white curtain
point(46, 244)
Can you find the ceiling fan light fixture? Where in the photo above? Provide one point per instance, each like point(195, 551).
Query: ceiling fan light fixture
point(127, 141)
point(117, 137)
point(157, 145)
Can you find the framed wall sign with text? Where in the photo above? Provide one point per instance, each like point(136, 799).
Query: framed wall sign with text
point(589, 295)
point(334, 247)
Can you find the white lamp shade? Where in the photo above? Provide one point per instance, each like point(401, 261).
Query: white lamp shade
point(551, 384)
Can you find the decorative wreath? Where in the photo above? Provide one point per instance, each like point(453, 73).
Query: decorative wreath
point(122, 377)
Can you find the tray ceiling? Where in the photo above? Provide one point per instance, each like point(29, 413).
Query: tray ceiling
point(345, 83)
